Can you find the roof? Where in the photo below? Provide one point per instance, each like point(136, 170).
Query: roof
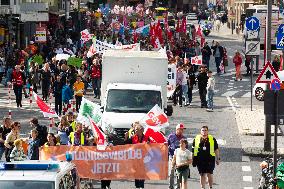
point(133, 86)
point(40, 175)
point(135, 54)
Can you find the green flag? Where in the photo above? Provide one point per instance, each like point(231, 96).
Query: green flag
point(73, 61)
point(38, 59)
point(89, 109)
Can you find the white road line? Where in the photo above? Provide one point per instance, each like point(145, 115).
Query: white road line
point(246, 169)
point(247, 178)
point(231, 104)
point(247, 95)
point(229, 93)
point(245, 159)
point(248, 187)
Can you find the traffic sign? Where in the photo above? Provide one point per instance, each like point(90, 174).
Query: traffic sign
point(252, 23)
point(275, 84)
point(40, 35)
point(280, 37)
point(252, 34)
point(267, 74)
point(252, 48)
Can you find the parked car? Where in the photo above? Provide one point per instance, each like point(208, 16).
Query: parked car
point(259, 88)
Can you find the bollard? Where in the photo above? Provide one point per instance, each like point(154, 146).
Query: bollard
point(10, 114)
point(69, 104)
point(50, 124)
point(31, 95)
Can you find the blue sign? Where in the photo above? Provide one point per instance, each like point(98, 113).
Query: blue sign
point(280, 41)
point(275, 85)
point(252, 23)
point(210, 6)
point(280, 28)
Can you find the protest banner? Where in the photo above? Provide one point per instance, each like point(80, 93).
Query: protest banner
point(73, 61)
point(132, 161)
point(171, 81)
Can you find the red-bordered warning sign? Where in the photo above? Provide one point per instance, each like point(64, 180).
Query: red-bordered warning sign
point(267, 74)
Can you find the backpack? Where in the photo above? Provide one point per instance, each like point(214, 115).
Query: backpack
point(42, 134)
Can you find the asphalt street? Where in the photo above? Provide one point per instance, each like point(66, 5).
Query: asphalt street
point(236, 171)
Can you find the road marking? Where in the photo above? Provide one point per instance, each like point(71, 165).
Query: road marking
point(245, 159)
point(229, 93)
point(247, 95)
point(221, 142)
point(247, 178)
point(231, 104)
point(246, 168)
point(248, 187)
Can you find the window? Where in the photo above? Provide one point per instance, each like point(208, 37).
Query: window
point(27, 184)
point(5, 2)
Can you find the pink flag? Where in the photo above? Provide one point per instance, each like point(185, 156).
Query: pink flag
point(156, 118)
point(196, 60)
point(101, 137)
point(46, 110)
point(154, 136)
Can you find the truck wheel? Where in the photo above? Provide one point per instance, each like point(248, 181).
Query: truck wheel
point(169, 110)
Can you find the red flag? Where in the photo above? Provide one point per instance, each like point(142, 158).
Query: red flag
point(178, 27)
point(46, 110)
point(154, 136)
point(156, 118)
point(183, 25)
point(199, 32)
point(159, 32)
point(281, 63)
point(166, 23)
point(101, 137)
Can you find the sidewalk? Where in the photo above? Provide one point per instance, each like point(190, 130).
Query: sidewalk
point(251, 130)
point(227, 32)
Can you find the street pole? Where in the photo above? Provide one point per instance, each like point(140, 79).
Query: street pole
point(268, 30)
point(79, 15)
point(251, 83)
point(276, 94)
point(257, 64)
point(232, 26)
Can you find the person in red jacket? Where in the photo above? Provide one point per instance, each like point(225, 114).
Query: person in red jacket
point(237, 60)
point(96, 77)
point(18, 83)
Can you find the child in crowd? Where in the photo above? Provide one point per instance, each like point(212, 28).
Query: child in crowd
point(17, 153)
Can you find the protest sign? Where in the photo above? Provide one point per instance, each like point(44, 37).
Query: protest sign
point(133, 161)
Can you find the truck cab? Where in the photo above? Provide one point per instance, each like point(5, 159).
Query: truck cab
point(34, 174)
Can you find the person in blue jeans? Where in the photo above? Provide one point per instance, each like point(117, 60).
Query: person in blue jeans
point(218, 53)
point(210, 91)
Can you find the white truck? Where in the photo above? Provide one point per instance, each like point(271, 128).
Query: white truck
point(132, 83)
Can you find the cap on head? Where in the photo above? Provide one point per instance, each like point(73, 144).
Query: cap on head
point(180, 126)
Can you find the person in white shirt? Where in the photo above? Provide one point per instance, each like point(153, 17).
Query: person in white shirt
point(181, 160)
point(185, 85)
point(210, 91)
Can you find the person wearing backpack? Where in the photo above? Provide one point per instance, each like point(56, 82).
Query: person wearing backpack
point(42, 131)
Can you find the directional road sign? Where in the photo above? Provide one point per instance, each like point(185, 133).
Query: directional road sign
point(275, 84)
point(267, 74)
point(252, 23)
point(280, 37)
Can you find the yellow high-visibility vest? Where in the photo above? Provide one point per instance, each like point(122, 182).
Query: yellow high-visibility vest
point(72, 138)
point(197, 142)
point(73, 125)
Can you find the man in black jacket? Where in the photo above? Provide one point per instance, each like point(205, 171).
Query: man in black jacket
point(218, 53)
point(206, 53)
point(202, 84)
point(57, 92)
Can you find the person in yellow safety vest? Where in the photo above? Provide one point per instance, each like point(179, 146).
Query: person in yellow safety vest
point(72, 122)
point(205, 153)
point(77, 138)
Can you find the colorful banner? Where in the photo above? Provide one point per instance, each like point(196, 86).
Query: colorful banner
point(132, 161)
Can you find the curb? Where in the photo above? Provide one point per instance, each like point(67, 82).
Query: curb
point(259, 152)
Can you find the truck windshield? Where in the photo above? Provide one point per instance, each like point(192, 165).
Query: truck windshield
point(132, 100)
point(23, 184)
